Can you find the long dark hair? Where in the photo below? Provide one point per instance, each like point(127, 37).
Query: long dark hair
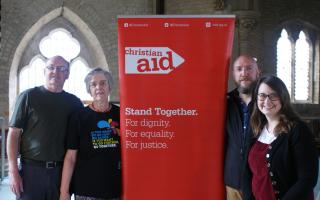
point(287, 115)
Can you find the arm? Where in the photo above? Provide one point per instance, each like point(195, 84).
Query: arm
point(68, 167)
point(13, 142)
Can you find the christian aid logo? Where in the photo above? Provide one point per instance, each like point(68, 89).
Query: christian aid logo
point(151, 60)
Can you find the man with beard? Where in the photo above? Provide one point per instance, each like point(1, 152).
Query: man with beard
point(238, 132)
point(37, 131)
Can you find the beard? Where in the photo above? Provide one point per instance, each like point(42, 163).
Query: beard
point(245, 90)
point(248, 89)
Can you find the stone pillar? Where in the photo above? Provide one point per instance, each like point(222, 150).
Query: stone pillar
point(247, 31)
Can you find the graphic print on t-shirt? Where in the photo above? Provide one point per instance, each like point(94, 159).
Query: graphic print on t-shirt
point(105, 135)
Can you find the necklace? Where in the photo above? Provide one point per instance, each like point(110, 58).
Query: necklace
point(98, 110)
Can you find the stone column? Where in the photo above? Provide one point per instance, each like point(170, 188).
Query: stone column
point(247, 31)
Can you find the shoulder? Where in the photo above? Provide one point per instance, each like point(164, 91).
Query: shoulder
point(115, 107)
point(232, 98)
point(30, 91)
point(81, 113)
point(115, 110)
point(233, 93)
point(71, 97)
point(300, 132)
point(299, 126)
point(26, 94)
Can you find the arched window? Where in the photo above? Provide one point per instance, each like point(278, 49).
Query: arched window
point(284, 59)
point(28, 73)
point(302, 68)
point(57, 42)
point(75, 84)
point(294, 65)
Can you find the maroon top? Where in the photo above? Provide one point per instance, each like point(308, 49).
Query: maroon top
point(261, 183)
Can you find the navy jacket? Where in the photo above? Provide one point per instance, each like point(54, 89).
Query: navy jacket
point(236, 169)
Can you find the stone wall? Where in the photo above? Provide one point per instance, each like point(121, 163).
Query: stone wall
point(257, 28)
point(274, 16)
point(100, 16)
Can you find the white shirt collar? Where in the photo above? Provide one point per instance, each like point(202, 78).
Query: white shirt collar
point(266, 137)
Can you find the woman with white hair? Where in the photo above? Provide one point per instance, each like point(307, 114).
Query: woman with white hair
point(91, 167)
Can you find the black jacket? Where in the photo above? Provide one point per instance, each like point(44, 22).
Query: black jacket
point(292, 161)
point(236, 169)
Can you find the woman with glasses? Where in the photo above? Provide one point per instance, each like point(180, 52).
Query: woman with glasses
point(283, 159)
point(92, 161)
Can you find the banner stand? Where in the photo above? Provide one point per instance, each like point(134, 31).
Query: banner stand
point(173, 83)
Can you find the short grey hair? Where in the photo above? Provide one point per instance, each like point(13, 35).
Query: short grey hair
point(95, 71)
point(57, 57)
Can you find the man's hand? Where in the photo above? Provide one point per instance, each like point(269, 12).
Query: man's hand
point(16, 183)
point(13, 143)
point(64, 196)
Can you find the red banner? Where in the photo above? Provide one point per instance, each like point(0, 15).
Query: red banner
point(173, 82)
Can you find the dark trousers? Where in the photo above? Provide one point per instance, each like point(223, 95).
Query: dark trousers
point(40, 183)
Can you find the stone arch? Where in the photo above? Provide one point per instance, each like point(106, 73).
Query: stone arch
point(293, 27)
point(92, 42)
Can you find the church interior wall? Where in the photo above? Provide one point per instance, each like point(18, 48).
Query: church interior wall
point(258, 25)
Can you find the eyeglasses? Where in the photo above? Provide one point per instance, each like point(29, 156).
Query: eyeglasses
point(272, 96)
point(58, 68)
point(103, 83)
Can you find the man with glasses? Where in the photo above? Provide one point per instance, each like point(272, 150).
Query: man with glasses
point(238, 133)
point(37, 132)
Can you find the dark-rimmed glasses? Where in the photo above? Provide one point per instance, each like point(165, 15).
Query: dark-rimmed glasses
point(272, 96)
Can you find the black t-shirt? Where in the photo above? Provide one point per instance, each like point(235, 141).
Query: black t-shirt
point(43, 116)
point(96, 138)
